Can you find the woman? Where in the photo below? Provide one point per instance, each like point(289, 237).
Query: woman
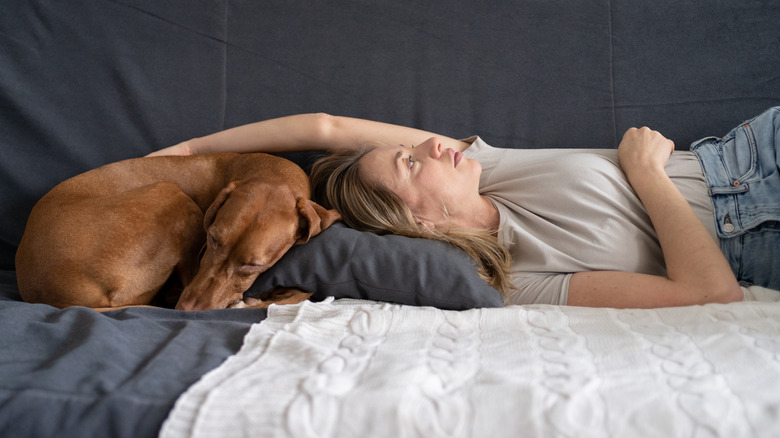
point(604, 246)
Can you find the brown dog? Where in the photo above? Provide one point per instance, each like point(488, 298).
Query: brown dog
point(111, 237)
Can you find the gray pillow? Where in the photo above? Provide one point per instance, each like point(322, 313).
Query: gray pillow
point(344, 263)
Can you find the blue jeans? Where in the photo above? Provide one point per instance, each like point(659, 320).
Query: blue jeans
point(742, 171)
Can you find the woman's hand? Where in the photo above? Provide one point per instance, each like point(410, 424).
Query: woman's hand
point(182, 148)
point(644, 150)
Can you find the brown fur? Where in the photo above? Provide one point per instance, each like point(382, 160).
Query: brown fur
point(112, 237)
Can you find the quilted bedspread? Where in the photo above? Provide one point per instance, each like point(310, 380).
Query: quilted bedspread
point(355, 369)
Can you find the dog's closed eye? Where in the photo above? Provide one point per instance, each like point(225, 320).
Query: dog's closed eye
point(251, 268)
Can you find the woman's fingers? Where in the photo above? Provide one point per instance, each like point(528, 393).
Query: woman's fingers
point(644, 148)
point(182, 148)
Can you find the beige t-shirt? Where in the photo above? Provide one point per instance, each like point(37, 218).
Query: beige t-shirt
point(570, 210)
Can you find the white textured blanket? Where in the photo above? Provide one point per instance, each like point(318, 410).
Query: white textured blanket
point(365, 369)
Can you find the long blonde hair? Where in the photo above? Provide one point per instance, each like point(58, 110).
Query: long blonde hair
point(369, 206)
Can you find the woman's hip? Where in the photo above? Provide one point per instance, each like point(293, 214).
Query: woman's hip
point(742, 170)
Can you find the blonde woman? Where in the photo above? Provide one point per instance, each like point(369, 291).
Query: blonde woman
point(635, 227)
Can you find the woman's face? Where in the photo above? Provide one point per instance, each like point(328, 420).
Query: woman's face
point(439, 185)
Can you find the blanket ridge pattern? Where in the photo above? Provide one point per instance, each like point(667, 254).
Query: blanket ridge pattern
point(356, 368)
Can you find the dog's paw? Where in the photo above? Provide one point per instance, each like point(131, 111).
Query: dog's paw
point(237, 304)
point(245, 303)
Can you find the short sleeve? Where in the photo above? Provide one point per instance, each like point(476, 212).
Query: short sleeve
point(539, 288)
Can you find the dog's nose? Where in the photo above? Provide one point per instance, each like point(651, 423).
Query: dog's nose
point(191, 299)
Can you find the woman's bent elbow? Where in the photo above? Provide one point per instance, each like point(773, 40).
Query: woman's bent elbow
point(724, 293)
point(322, 123)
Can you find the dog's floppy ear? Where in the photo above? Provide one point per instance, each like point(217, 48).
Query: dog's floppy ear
point(314, 219)
point(211, 213)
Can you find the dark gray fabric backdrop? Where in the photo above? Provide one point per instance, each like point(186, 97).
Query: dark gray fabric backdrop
point(95, 81)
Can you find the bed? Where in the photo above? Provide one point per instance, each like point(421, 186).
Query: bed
point(385, 348)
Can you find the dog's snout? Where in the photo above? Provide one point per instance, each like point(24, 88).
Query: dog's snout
point(185, 305)
point(203, 293)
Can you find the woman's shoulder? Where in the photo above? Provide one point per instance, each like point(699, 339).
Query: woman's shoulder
point(485, 153)
point(478, 149)
point(477, 145)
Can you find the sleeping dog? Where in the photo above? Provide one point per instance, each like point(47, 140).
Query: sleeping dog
point(112, 237)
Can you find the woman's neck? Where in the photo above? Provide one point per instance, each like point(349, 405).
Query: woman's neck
point(490, 216)
point(481, 214)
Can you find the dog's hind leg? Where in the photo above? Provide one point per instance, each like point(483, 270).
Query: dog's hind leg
point(168, 240)
point(116, 250)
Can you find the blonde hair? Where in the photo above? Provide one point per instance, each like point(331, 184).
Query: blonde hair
point(369, 206)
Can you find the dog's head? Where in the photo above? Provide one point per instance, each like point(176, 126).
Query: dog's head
point(249, 227)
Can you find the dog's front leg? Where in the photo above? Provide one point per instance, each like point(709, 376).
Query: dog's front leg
point(278, 296)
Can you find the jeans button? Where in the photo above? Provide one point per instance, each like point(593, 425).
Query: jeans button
point(728, 228)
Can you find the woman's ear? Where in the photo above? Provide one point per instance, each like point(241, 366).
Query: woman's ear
point(424, 223)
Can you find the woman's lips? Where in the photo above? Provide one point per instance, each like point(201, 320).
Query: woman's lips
point(456, 157)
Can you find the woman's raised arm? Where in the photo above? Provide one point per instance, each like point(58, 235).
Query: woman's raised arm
point(697, 271)
point(305, 132)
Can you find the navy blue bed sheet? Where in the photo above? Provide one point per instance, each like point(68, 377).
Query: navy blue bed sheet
point(79, 373)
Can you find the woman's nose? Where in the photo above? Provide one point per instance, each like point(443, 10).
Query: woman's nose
point(434, 146)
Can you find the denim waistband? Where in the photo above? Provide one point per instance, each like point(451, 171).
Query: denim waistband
point(741, 170)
